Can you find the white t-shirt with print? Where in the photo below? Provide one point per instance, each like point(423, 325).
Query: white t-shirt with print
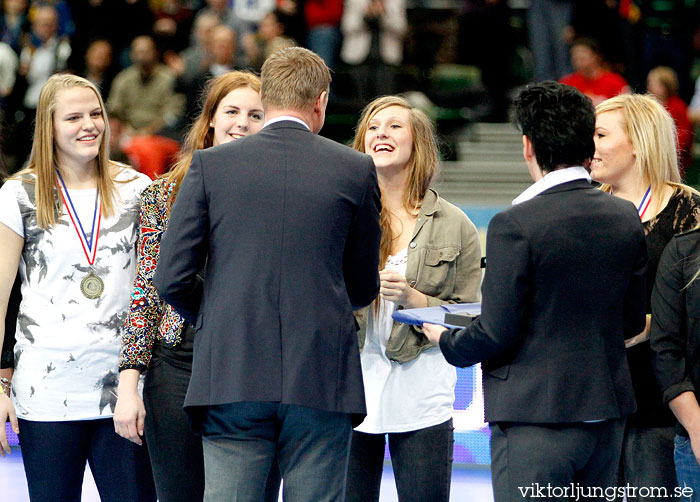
point(67, 351)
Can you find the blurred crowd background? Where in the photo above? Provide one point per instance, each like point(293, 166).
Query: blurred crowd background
point(460, 60)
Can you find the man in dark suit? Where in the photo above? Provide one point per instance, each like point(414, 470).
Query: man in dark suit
point(288, 223)
point(564, 287)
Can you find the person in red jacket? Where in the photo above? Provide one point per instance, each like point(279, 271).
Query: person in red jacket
point(662, 82)
point(591, 76)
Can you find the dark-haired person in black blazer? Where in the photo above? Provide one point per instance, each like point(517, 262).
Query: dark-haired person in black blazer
point(564, 286)
point(288, 223)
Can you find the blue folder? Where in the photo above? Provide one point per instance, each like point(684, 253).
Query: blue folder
point(435, 315)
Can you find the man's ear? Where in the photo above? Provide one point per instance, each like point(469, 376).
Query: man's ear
point(321, 102)
point(528, 149)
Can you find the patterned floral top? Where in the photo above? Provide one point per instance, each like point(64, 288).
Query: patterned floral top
point(149, 318)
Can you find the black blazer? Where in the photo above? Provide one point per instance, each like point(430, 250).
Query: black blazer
point(289, 222)
point(564, 286)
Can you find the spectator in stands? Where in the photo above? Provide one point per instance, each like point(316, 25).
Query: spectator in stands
point(662, 82)
point(219, 8)
point(591, 76)
point(45, 55)
point(600, 20)
point(9, 62)
point(223, 60)
point(118, 21)
point(155, 336)
point(694, 105)
point(547, 22)
point(429, 255)
point(143, 95)
point(66, 27)
point(373, 36)
point(14, 23)
point(323, 35)
point(486, 40)
point(196, 58)
point(270, 37)
point(173, 25)
point(98, 65)
point(636, 159)
point(247, 14)
point(667, 30)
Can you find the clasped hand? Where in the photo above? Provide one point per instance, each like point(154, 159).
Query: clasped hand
point(394, 288)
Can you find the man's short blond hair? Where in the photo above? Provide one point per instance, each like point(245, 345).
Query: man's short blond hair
point(292, 79)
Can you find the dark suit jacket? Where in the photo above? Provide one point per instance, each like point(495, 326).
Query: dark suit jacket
point(564, 286)
point(290, 223)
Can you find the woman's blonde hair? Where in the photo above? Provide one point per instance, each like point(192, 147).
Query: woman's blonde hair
point(652, 132)
point(201, 134)
point(42, 160)
point(423, 164)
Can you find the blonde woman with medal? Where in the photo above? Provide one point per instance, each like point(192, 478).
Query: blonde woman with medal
point(69, 222)
point(636, 159)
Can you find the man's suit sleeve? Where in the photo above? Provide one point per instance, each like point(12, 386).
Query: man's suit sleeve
point(634, 306)
point(361, 255)
point(183, 249)
point(505, 293)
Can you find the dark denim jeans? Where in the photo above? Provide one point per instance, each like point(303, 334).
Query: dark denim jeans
point(647, 461)
point(176, 453)
point(687, 467)
point(241, 440)
point(54, 456)
point(422, 462)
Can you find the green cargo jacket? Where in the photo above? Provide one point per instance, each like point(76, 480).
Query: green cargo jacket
point(444, 263)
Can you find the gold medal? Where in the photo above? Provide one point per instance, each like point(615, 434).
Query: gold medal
point(92, 286)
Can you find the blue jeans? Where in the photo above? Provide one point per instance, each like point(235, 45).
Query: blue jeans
point(54, 456)
point(687, 467)
point(422, 462)
point(325, 41)
point(546, 21)
point(241, 439)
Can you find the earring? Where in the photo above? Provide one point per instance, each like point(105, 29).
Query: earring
point(211, 123)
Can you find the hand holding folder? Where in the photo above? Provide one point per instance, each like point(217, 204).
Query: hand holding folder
point(447, 315)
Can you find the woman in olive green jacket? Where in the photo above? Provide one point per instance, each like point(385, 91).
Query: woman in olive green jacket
point(429, 255)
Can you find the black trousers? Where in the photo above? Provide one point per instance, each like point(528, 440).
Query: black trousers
point(176, 453)
point(422, 462)
point(553, 461)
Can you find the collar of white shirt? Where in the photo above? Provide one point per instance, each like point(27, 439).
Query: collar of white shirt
point(553, 179)
point(285, 117)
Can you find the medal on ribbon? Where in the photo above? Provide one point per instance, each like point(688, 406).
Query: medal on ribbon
point(645, 203)
point(91, 286)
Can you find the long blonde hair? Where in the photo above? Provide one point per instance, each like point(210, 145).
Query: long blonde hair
point(652, 132)
point(42, 160)
point(423, 164)
point(201, 134)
